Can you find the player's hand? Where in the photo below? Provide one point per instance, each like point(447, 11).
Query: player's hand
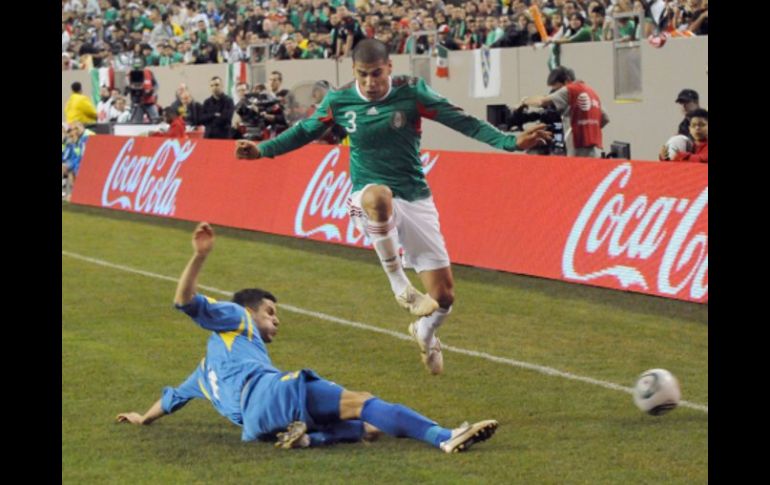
point(133, 418)
point(247, 149)
point(203, 239)
point(533, 136)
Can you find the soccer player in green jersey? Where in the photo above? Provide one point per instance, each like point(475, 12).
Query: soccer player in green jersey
point(391, 201)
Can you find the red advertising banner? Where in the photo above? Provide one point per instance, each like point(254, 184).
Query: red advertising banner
point(636, 226)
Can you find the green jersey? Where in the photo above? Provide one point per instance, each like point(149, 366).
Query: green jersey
point(385, 134)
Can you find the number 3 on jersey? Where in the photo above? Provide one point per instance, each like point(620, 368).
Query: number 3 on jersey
point(351, 116)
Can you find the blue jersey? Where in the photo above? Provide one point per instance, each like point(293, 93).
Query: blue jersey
point(237, 375)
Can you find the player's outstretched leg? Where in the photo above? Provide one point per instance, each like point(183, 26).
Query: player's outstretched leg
point(440, 284)
point(377, 202)
point(401, 421)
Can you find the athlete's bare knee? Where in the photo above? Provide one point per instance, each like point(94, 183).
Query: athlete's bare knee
point(377, 201)
point(352, 403)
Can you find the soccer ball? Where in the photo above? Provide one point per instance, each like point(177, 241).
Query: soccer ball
point(656, 392)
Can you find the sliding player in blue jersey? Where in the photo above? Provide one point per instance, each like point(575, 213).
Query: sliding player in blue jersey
point(298, 408)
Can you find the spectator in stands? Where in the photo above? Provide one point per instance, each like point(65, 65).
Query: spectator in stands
point(418, 45)
point(176, 128)
point(598, 25)
point(289, 50)
point(682, 141)
point(195, 16)
point(185, 49)
point(79, 107)
point(217, 112)
point(689, 101)
point(693, 16)
point(168, 56)
point(207, 54)
point(470, 39)
point(577, 31)
point(274, 81)
point(163, 31)
point(350, 33)
point(139, 22)
point(119, 112)
point(190, 110)
point(445, 38)
point(494, 32)
point(149, 57)
point(699, 131)
point(556, 24)
point(104, 105)
point(66, 62)
point(313, 51)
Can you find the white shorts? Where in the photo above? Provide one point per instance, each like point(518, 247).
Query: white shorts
point(419, 232)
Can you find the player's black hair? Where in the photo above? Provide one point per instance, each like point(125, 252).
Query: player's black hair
point(370, 51)
point(252, 297)
point(560, 74)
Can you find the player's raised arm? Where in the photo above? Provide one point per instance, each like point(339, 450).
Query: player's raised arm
point(203, 243)
point(435, 107)
point(295, 137)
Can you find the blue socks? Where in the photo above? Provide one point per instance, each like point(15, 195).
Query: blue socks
point(398, 420)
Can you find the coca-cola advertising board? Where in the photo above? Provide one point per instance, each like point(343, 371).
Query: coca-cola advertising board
point(636, 226)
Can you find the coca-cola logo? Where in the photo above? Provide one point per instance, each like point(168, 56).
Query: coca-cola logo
point(146, 183)
point(323, 208)
point(639, 231)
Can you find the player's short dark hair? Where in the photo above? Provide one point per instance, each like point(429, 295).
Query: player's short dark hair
point(560, 74)
point(252, 297)
point(370, 51)
point(76, 87)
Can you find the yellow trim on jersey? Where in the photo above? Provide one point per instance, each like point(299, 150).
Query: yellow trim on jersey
point(229, 337)
point(200, 384)
point(209, 299)
point(250, 325)
point(203, 360)
point(290, 375)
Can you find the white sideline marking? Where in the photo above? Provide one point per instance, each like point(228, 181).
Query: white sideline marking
point(363, 326)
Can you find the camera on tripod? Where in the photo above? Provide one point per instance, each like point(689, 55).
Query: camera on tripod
point(252, 109)
point(136, 85)
point(506, 119)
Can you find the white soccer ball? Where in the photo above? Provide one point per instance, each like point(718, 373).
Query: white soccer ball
point(656, 392)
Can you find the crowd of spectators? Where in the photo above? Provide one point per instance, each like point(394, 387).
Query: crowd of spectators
point(121, 33)
point(126, 35)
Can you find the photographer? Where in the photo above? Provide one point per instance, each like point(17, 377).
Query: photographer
point(580, 108)
point(261, 115)
point(142, 87)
